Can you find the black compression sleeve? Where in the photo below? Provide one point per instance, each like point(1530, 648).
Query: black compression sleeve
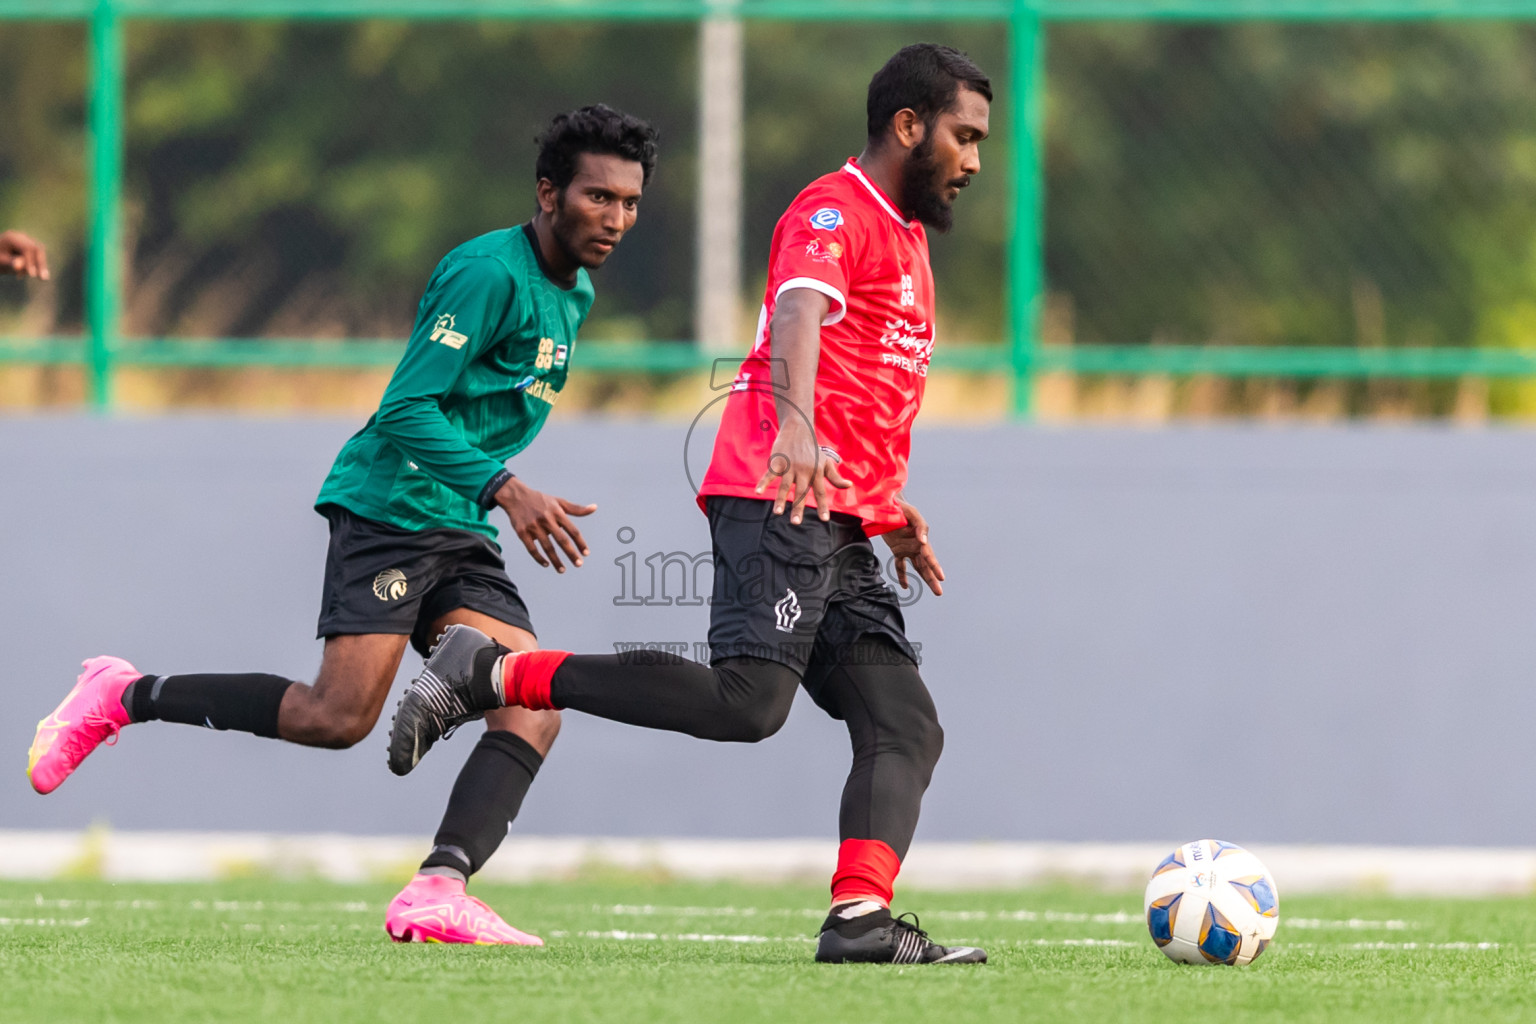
point(740, 700)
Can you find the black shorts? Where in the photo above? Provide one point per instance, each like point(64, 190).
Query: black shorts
point(799, 595)
point(382, 579)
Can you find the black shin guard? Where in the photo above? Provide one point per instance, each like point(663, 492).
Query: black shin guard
point(244, 703)
point(485, 800)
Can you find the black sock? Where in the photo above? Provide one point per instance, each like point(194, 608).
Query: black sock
point(484, 691)
point(485, 800)
point(245, 703)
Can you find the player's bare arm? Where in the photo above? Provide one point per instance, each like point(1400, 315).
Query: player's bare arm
point(910, 543)
point(797, 461)
point(542, 522)
point(21, 256)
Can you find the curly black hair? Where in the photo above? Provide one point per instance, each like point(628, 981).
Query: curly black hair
point(595, 129)
point(925, 78)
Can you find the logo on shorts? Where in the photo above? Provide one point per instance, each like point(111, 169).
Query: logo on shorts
point(389, 585)
point(787, 612)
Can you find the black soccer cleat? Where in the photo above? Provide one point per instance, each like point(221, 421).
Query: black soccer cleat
point(453, 688)
point(879, 938)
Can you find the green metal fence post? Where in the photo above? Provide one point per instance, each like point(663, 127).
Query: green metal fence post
point(104, 269)
point(1026, 251)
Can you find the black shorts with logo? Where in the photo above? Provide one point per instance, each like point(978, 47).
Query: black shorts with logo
point(799, 595)
point(382, 579)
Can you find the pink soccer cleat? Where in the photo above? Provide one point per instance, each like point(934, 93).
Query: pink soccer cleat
point(92, 713)
point(433, 908)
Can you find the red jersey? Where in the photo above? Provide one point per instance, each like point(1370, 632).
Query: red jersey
point(842, 237)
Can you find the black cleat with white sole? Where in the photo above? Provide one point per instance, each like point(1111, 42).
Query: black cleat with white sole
point(454, 687)
point(875, 937)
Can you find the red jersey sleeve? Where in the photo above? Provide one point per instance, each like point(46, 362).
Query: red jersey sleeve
point(817, 239)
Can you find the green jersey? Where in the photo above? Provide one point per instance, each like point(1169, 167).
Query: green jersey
point(487, 358)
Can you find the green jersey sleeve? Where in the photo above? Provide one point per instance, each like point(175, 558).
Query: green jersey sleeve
point(460, 316)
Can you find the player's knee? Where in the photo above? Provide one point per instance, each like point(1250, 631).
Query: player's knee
point(340, 728)
point(752, 721)
point(548, 728)
point(927, 740)
point(757, 723)
point(756, 698)
point(540, 730)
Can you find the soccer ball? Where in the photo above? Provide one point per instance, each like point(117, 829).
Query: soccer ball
point(1211, 902)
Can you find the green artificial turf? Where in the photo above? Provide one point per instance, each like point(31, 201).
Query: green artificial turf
point(638, 951)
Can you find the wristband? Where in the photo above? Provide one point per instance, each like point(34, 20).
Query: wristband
point(487, 499)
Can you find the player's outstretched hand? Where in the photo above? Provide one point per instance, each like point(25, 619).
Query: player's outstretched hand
point(542, 522)
point(910, 543)
point(21, 256)
point(802, 470)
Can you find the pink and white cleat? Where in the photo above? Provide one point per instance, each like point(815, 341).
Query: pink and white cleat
point(434, 908)
point(92, 713)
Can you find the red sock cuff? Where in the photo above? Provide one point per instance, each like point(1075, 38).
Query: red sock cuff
point(526, 677)
point(865, 867)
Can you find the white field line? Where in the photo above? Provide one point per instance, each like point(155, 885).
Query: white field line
point(1085, 942)
point(189, 856)
point(220, 906)
point(623, 935)
point(627, 936)
point(619, 935)
point(1119, 917)
point(1456, 947)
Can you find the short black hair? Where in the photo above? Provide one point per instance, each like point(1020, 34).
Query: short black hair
point(595, 129)
point(925, 77)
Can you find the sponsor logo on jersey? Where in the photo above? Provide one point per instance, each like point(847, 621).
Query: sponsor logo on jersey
point(389, 585)
point(908, 292)
point(827, 219)
point(830, 254)
point(545, 360)
point(540, 389)
point(906, 346)
point(786, 612)
point(444, 333)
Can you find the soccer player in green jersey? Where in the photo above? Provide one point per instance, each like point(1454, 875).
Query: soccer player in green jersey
point(412, 550)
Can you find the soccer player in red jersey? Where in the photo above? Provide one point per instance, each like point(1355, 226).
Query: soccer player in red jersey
point(820, 418)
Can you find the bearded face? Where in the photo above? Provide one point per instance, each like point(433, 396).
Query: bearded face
point(942, 163)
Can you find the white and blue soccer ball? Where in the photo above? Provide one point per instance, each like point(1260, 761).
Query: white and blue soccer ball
point(1211, 902)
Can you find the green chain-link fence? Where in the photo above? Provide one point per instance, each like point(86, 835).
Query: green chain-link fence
point(1301, 188)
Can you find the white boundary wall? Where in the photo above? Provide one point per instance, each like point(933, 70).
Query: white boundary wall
point(195, 856)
